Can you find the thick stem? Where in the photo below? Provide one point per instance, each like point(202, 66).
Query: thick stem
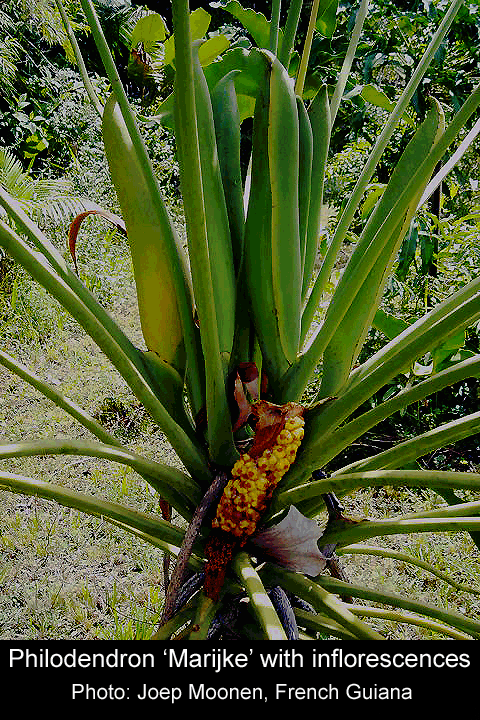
point(322, 601)
point(261, 603)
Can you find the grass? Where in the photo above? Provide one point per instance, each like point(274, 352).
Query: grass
point(64, 574)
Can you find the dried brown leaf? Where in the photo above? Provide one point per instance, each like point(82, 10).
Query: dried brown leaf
point(77, 221)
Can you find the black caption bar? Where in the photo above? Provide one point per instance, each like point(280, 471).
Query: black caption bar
point(148, 674)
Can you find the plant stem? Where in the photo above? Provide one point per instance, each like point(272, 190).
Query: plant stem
point(206, 609)
point(381, 144)
point(175, 486)
point(448, 617)
point(456, 157)
point(130, 520)
point(356, 549)
point(456, 313)
point(341, 482)
point(80, 62)
point(322, 601)
point(36, 265)
point(274, 24)
point(166, 631)
point(261, 603)
point(409, 450)
point(320, 623)
point(293, 16)
point(354, 429)
point(398, 617)
point(302, 70)
point(397, 526)
point(348, 61)
point(56, 260)
point(60, 400)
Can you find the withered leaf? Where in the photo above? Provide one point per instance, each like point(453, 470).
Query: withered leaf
point(245, 391)
point(292, 544)
point(243, 404)
point(248, 373)
point(77, 221)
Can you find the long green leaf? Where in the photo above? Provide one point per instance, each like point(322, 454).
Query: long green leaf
point(220, 437)
point(357, 549)
point(56, 260)
point(258, 274)
point(400, 617)
point(168, 232)
point(274, 26)
point(149, 236)
point(415, 448)
point(173, 485)
point(306, 148)
point(353, 478)
point(398, 526)
point(94, 99)
point(343, 349)
point(352, 430)
point(261, 603)
point(349, 58)
point(217, 218)
point(450, 164)
point(320, 623)
point(431, 330)
point(307, 588)
point(320, 119)
point(227, 129)
point(307, 47)
point(374, 242)
point(283, 123)
point(131, 520)
point(291, 25)
point(458, 311)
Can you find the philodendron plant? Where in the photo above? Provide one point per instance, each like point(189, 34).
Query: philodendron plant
point(233, 338)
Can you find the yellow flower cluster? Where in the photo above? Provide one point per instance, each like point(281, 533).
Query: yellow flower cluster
point(253, 481)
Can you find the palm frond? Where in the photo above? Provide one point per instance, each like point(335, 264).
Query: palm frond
point(46, 18)
point(41, 199)
point(10, 53)
point(12, 176)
